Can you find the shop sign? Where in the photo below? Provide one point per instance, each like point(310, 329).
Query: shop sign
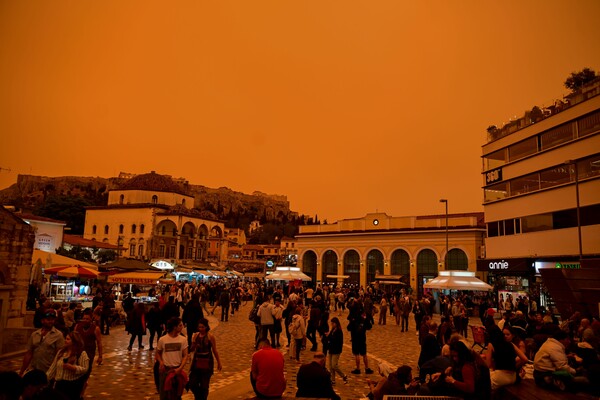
point(567, 265)
point(493, 176)
point(504, 265)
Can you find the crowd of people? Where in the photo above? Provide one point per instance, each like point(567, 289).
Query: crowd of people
point(525, 342)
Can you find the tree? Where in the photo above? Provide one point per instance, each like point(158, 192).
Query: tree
point(65, 208)
point(578, 79)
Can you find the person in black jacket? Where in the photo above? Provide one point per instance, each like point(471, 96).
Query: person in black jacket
point(335, 344)
point(314, 381)
point(192, 314)
point(430, 347)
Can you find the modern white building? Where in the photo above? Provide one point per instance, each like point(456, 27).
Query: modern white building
point(541, 177)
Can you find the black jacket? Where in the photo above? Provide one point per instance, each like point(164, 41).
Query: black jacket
point(336, 341)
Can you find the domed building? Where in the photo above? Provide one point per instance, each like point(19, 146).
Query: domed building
point(151, 216)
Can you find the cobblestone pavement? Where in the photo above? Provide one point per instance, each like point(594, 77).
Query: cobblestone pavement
point(128, 375)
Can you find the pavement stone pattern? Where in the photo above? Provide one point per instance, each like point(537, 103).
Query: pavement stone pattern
point(128, 375)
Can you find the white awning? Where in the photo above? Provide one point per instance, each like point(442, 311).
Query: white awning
point(288, 276)
point(457, 280)
point(338, 276)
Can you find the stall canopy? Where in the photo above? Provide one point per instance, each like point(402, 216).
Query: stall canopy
point(288, 274)
point(137, 278)
point(55, 260)
point(457, 280)
point(72, 271)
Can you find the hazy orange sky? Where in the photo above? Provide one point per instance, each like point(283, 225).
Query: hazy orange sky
point(346, 107)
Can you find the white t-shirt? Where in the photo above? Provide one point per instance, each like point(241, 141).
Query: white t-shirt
point(171, 349)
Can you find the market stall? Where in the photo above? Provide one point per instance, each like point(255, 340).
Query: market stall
point(457, 280)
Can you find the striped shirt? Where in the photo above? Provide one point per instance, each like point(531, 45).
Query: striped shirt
point(58, 373)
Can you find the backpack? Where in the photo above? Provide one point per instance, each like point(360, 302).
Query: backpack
point(254, 317)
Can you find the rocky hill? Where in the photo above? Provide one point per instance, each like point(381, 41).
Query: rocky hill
point(32, 191)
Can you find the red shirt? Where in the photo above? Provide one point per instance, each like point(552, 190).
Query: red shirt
point(267, 368)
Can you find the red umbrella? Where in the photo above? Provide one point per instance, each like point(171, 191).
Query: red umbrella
point(72, 271)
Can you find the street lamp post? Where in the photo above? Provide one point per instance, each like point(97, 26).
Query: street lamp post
point(576, 171)
point(446, 257)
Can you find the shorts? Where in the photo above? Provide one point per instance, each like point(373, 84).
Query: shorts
point(359, 347)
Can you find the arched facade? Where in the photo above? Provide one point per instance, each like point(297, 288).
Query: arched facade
point(330, 266)
point(412, 247)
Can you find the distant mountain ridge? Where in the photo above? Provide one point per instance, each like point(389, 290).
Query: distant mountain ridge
point(30, 191)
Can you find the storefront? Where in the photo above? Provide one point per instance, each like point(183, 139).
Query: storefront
point(511, 278)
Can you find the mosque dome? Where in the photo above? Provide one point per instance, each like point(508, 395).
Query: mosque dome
point(153, 182)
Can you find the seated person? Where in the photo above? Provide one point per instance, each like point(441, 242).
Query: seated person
point(551, 367)
point(266, 374)
point(314, 380)
point(400, 382)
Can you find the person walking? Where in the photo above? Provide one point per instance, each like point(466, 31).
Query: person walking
point(297, 330)
point(43, 345)
point(154, 323)
point(70, 366)
point(92, 339)
point(335, 339)
point(192, 314)
point(204, 349)
point(172, 355)
point(137, 326)
point(267, 319)
point(383, 308)
point(224, 303)
point(358, 327)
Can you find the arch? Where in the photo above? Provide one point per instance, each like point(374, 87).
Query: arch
point(122, 199)
point(133, 228)
point(309, 264)
point(400, 263)
point(427, 267)
point(352, 266)
point(203, 232)
point(106, 229)
point(183, 202)
point(121, 229)
point(216, 231)
point(189, 230)
point(142, 228)
point(330, 265)
point(155, 199)
point(374, 264)
point(166, 228)
point(457, 260)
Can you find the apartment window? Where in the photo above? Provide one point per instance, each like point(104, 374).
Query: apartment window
point(494, 160)
point(141, 250)
point(133, 228)
point(589, 124)
point(155, 199)
point(94, 230)
point(161, 250)
point(172, 251)
point(522, 149)
point(509, 227)
point(121, 199)
point(121, 228)
point(190, 252)
point(536, 223)
point(496, 192)
point(132, 250)
point(525, 184)
point(517, 225)
point(492, 229)
point(556, 136)
point(142, 228)
point(555, 176)
point(106, 229)
point(589, 167)
point(163, 231)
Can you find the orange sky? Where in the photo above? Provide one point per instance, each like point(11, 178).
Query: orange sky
point(346, 107)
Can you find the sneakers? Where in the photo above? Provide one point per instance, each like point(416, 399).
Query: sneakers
point(368, 371)
point(128, 348)
point(355, 371)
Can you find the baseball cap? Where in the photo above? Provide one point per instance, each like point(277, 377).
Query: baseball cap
point(491, 311)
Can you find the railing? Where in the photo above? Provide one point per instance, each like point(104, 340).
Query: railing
point(587, 92)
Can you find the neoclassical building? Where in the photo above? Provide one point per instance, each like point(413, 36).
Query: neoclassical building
point(377, 245)
point(150, 216)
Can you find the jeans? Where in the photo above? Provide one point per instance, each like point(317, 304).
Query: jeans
point(225, 312)
point(271, 330)
point(334, 367)
point(157, 332)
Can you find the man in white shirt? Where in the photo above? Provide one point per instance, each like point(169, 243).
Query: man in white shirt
point(266, 313)
point(172, 353)
point(552, 358)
